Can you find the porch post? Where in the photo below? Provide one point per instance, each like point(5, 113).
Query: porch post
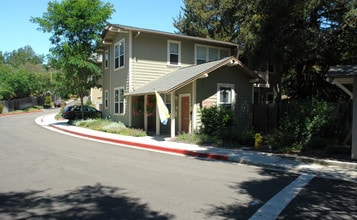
point(130, 110)
point(173, 114)
point(145, 113)
point(354, 121)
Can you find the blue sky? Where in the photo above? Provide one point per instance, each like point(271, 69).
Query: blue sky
point(17, 31)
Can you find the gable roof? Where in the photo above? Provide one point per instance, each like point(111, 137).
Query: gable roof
point(183, 76)
point(111, 29)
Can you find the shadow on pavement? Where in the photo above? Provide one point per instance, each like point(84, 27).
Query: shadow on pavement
point(87, 202)
point(324, 199)
point(260, 191)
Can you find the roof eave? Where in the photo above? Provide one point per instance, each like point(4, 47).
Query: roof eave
point(143, 30)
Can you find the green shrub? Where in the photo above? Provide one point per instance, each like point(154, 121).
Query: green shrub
point(306, 127)
point(89, 102)
point(48, 101)
point(246, 137)
point(216, 120)
point(109, 126)
point(243, 137)
point(199, 139)
point(316, 142)
point(1, 108)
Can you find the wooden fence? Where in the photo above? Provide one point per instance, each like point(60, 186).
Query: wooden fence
point(266, 117)
point(18, 104)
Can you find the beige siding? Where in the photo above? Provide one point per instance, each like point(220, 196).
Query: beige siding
point(150, 57)
point(207, 92)
point(96, 97)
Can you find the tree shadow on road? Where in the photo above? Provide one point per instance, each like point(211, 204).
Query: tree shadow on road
point(259, 191)
point(324, 199)
point(87, 202)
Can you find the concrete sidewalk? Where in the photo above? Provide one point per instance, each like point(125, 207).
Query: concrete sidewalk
point(327, 168)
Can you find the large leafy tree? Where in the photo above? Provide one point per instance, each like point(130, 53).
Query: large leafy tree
point(305, 36)
point(76, 26)
point(214, 19)
point(22, 56)
point(22, 74)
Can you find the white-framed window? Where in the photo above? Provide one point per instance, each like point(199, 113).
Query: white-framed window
point(223, 53)
point(173, 52)
point(106, 99)
point(119, 54)
point(201, 55)
point(205, 53)
point(213, 54)
point(119, 100)
point(225, 95)
point(106, 59)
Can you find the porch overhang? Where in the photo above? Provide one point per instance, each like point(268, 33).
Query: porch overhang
point(186, 75)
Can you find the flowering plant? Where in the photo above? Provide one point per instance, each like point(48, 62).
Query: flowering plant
point(150, 105)
point(138, 106)
point(258, 140)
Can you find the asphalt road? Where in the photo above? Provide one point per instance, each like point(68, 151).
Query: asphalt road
point(48, 175)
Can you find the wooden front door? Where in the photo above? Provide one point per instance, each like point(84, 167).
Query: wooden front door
point(185, 114)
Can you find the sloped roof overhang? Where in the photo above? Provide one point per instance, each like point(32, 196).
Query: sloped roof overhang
point(186, 75)
point(111, 30)
point(342, 75)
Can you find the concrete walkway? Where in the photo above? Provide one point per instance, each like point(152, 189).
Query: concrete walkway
point(326, 168)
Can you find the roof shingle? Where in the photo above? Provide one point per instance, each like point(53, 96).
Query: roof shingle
point(183, 76)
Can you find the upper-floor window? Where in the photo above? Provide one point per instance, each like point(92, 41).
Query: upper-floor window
point(119, 100)
point(205, 54)
point(212, 54)
point(106, 59)
point(119, 54)
point(201, 55)
point(173, 53)
point(225, 95)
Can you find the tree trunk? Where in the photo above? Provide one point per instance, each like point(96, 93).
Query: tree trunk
point(82, 105)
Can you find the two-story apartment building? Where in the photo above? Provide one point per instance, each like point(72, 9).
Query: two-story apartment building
point(189, 73)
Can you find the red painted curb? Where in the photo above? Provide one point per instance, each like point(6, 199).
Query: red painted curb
point(149, 146)
point(18, 113)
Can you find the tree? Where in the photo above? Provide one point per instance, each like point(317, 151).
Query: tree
point(22, 56)
point(213, 19)
point(22, 74)
point(76, 26)
point(305, 36)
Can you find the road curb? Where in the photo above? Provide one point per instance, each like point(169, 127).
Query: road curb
point(19, 113)
point(320, 161)
point(148, 146)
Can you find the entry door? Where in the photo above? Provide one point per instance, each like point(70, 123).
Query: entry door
point(185, 114)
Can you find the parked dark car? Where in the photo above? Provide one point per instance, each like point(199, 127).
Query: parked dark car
point(59, 103)
point(74, 112)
